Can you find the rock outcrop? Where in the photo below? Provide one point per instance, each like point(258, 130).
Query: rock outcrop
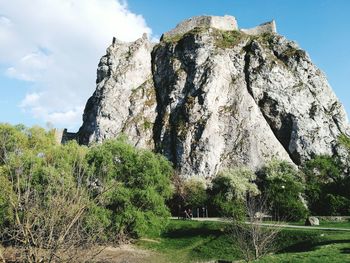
point(209, 99)
point(125, 99)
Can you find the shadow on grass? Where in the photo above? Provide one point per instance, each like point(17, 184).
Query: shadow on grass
point(190, 230)
point(311, 245)
point(204, 241)
point(345, 250)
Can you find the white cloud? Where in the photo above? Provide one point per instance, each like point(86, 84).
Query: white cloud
point(30, 100)
point(31, 67)
point(56, 45)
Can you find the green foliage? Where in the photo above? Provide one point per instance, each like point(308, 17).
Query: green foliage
point(195, 193)
point(136, 185)
point(129, 199)
point(345, 141)
point(6, 195)
point(228, 39)
point(98, 219)
point(12, 139)
point(229, 189)
point(327, 187)
point(147, 125)
point(43, 198)
point(283, 187)
point(21, 152)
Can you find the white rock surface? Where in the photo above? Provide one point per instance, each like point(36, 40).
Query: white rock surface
point(124, 100)
point(215, 99)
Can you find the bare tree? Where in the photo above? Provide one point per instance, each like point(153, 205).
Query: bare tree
point(2, 257)
point(253, 239)
point(48, 223)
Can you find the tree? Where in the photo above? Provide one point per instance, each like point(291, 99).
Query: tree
point(229, 190)
point(283, 186)
point(12, 139)
point(327, 186)
point(135, 183)
point(44, 195)
point(253, 239)
point(58, 199)
point(195, 194)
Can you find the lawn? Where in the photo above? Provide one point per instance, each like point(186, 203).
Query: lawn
point(192, 241)
point(344, 224)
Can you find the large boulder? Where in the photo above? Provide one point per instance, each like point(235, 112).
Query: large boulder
point(312, 221)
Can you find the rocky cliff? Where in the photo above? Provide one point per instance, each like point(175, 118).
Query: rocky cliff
point(210, 98)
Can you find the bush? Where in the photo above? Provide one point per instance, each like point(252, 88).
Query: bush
point(195, 193)
point(135, 183)
point(283, 187)
point(43, 199)
point(69, 196)
point(327, 188)
point(6, 213)
point(229, 190)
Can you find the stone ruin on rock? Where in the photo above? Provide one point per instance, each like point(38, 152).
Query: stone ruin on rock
point(222, 23)
point(268, 27)
point(225, 23)
point(215, 98)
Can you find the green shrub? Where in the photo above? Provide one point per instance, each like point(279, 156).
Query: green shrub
point(195, 193)
point(228, 39)
point(229, 190)
point(327, 188)
point(136, 184)
point(283, 186)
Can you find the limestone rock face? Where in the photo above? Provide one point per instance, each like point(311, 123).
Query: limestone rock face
point(211, 99)
point(295, 99)
point(124, 100)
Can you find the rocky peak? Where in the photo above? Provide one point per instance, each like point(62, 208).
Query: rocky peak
point(210, 97)
point(124, 100)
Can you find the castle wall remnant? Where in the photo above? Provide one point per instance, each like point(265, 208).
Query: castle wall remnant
point(268, 27)
point(63, 136)
point(225, 23)
point(218, 22)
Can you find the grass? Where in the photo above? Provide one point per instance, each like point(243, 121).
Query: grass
point(228, 39)
point(188, 241)
point(345, 224)
point(312, 246)
point(192, 241)
point(323, 223)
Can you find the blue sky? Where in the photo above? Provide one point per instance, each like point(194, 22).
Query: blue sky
point(48, 62)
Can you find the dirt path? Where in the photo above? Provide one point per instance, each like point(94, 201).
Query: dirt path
point(120, 254)
point(128, 254)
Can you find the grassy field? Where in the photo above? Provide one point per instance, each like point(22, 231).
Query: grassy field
point(345, 224)
point(191, 241)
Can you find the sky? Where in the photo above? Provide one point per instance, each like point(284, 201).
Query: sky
point(49, 49)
